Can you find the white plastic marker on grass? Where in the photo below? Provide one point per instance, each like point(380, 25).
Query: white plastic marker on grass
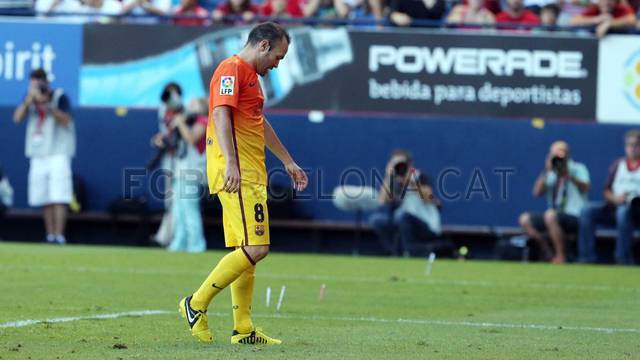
point(282, 290)
point(323, 288)
point(268, 296)
point(430, 260)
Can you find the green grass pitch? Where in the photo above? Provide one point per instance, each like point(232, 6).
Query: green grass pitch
point(374, 308)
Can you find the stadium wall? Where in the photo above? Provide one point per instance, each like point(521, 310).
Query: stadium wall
point(482, 159)
point(468, 158)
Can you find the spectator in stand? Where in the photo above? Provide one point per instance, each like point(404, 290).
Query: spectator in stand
point(605, 16)
point(471, 13)
point(51, 7)
point(146, 7)
point(323, 9)
point(493, 6)
point(549, 15)
point(84, 11)
point(102, 11)
point(569, 9)
point(516, 13)
point(241, 11)
point(190, 13)
point(565, 183)
point(621, 207)
point(405, 12)
point(359, 9)
point(537, 5)
point(282, 9)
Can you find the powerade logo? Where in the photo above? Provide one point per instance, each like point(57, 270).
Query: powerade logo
point(478, 62)
point(632, 80)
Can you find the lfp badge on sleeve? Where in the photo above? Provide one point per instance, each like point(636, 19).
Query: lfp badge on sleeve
point(226, 85)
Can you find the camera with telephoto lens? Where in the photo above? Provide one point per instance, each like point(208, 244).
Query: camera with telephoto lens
point(401, 168)
point(171, 142)
point(168, 144)
point(191, 119)
point(558, 163)
point(171, 97)
point(43, 88)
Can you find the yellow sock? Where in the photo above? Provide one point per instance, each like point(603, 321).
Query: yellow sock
point(241, 298)
point(228, 269)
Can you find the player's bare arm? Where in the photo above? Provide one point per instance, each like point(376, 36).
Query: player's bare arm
point(222, 121)
point(298, 176)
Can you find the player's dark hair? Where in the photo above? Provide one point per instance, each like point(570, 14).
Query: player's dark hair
point(269, 31)
point(38, 74)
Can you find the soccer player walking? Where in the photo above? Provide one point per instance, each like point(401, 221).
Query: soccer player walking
point(237, 133)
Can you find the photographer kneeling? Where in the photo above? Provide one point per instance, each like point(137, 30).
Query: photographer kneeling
point(566, 185)
point(409, 207)
point(188, 177)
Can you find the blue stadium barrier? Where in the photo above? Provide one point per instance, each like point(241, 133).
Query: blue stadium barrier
point(462, 155)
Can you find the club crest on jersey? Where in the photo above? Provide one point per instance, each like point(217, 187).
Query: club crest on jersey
point(226, 85)
point(259, 230)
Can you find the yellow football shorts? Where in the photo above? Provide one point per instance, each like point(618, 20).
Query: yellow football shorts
point(245, 217)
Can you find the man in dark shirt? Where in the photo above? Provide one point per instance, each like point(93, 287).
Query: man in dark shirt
point(404, 12)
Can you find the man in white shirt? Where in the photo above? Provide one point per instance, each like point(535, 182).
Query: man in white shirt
point(50, 144)
point(621, 206)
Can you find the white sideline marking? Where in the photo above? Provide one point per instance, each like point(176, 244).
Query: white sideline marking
point(23, 323)
point(446, 322)
point(312, 277)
